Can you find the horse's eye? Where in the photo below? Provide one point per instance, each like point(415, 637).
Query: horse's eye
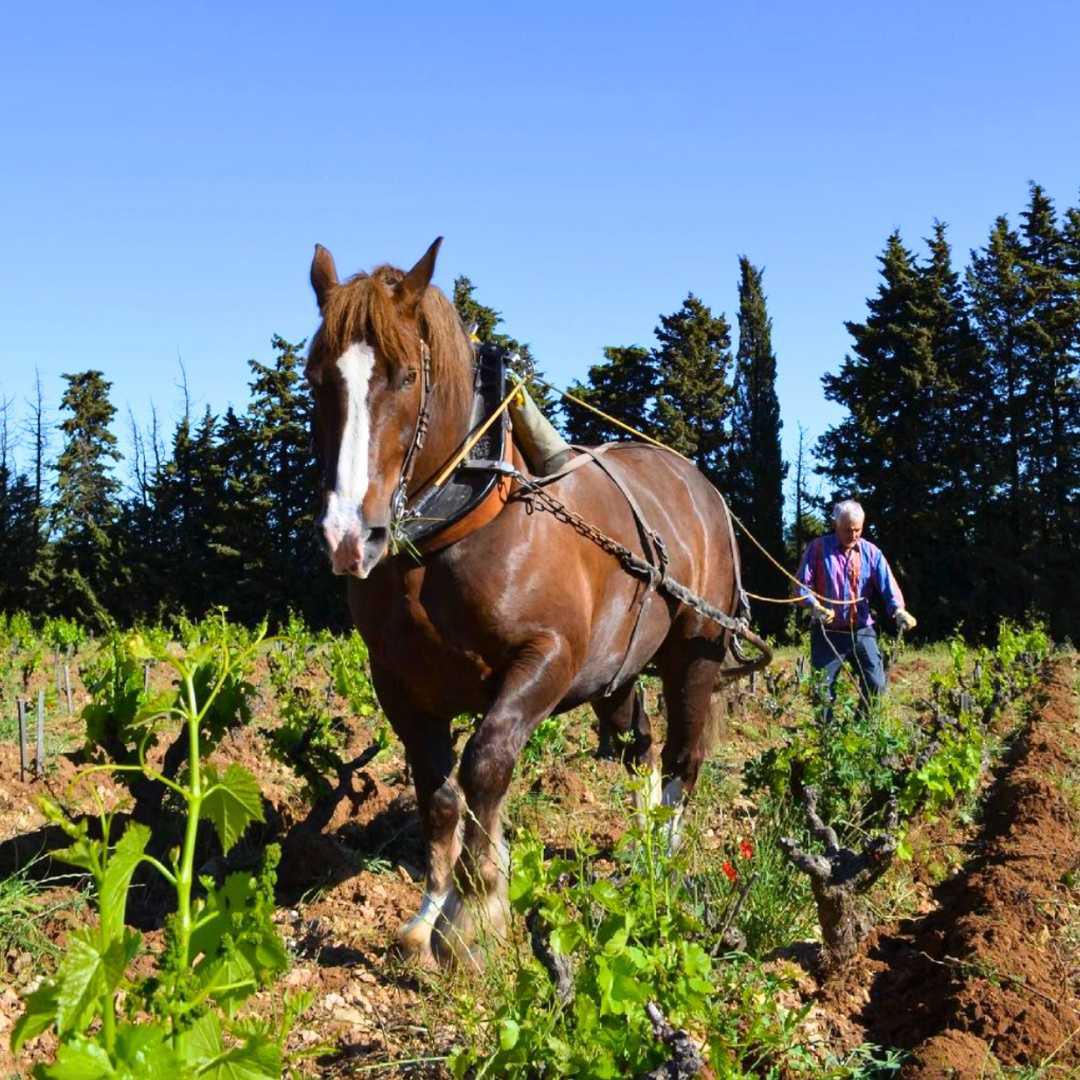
point(409, 378)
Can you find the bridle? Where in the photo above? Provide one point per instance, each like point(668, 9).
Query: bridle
point(398, 504)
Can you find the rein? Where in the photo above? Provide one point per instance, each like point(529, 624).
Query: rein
point(423, 419)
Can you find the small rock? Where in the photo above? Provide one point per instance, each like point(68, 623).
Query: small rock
point(332, 1001)
point(348, 1015)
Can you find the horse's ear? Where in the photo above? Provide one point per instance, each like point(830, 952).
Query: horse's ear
point(412, 286)
point(323, 274)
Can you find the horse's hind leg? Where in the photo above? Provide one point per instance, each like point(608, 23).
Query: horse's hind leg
point(625, 731)
point(532, 686)
point(689, 679)
point(626, 734)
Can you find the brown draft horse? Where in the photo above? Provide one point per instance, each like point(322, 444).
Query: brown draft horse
point(522, 618)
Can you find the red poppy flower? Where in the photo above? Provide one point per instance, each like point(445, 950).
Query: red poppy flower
point(729, 871)
point(746, 849)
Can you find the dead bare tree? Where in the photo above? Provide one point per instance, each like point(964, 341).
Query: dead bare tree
point(839, 876)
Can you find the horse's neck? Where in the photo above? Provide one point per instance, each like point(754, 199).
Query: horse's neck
point(449, 422)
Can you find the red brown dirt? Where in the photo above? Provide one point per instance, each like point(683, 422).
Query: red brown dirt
point(982, 978)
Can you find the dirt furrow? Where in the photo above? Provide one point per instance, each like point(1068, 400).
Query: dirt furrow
point(988, 977)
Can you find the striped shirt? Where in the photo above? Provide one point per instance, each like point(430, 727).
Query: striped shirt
point(862, 573)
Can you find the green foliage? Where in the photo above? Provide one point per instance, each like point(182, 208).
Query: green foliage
point(125, 720)
point(859, 759)
point(694, 400)
point(548, 740)
point(630, 940)
point(310, 738)
point(62, 634)
point(220, 946)
point(624, 387)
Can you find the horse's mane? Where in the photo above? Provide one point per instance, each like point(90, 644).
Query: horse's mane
point(364, 305)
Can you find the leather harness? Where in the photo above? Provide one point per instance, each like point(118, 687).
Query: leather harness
point(480, 487)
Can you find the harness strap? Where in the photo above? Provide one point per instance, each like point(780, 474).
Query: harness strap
point(655, 555)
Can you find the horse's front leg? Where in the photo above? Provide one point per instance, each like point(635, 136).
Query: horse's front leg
point(534, 683)
point(430, 750)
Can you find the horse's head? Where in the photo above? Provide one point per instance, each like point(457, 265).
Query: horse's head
point(368, 374)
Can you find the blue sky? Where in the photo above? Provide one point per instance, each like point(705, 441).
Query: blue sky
point(167, 169)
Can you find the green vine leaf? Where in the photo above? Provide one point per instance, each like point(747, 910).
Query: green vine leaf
point(233, 802)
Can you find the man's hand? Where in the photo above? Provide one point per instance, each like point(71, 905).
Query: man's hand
point(905, 620)
point(822, 614)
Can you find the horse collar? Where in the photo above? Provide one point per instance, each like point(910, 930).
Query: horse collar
point(438, 516)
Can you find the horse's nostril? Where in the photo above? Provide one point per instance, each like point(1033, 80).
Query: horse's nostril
point(376, 537)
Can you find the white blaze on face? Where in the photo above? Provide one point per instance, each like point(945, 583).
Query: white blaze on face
point(351, 484)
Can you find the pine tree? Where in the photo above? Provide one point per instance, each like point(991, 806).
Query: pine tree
point(284, 486)
point(1046, 340)
point(953, 406)
point(482, 321)
point(85, 509)
point(693, 360)
point(880, 452)
point(756, 469)
point(623, 386)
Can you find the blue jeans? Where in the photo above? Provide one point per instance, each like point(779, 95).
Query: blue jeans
point(858, 650)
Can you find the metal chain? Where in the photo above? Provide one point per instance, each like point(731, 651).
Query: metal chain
point(630, 562)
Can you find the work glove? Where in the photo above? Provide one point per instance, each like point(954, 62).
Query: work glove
point(905, 620)
point(822, 614)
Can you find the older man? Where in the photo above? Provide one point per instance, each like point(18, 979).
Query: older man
point(843, 567)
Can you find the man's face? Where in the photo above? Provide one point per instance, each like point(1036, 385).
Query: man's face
point(848, 531)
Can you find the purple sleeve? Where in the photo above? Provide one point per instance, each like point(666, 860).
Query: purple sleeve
point(887, 586)
point(806, 574)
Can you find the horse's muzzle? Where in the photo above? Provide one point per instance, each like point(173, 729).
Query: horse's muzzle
point(357, 552)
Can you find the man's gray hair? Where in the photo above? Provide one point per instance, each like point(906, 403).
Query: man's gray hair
point(847, 508)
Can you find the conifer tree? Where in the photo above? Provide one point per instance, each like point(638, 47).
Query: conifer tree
point(879, 451)
point(1046, 340)
point(482, 321)
point(756, 469)
point(623, 386)
point(693, 361)
point(85, 509)
point(284, 486)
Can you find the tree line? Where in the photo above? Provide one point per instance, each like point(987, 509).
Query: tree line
point(961, 436)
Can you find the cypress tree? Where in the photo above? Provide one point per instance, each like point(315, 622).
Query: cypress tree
point(756, 469)
point(693, 361)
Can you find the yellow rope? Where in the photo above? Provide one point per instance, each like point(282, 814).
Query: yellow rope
point(611, 419)
point(656, 442)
